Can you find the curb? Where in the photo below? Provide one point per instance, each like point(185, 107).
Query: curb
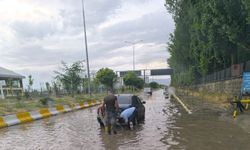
point(23, 117)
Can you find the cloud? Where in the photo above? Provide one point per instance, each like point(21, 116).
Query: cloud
point(150, 27)
point(25, 29)
point(37, 35)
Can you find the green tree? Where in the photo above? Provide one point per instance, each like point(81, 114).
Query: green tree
point(139, 83)
point(31, 82)
point(70, 77)
point(95, 85)
point(48, 87)
point(210, 35)
point(106, 77)
point(56, 88)
point(154, 85)
point(131, 79)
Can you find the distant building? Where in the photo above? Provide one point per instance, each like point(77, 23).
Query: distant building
point(11, 82)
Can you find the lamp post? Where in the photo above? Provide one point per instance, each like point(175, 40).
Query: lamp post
point(133, 43)
point(86, 47)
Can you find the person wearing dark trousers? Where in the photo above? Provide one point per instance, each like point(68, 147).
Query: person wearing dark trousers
point(240, 106)
point(110, 105)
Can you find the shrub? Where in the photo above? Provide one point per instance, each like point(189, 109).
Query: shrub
point(19, 104)
point(26, 94)
point(18, 96)
point(45, 101)
point(154, 85)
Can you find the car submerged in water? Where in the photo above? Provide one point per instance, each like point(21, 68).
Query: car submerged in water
point(128, 102)
point(165, 92)
point(148, 91)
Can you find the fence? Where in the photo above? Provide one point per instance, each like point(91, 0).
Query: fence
point(235, 71)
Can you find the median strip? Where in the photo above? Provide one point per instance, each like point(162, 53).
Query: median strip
point(24, 117)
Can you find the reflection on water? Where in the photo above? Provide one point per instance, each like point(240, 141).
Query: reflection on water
point(165, 127)
point(206, 130)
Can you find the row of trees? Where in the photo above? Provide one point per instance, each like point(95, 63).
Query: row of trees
point(210, 35)
point(71, 79)
point(108, 77)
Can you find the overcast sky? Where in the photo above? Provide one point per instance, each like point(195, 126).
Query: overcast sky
point(36, 35)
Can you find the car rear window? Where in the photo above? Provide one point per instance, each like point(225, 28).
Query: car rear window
point(124, 99)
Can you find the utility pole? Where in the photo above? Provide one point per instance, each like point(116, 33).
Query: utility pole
point(144, 76)
point(86, 47)
point(133, 43)
point(133, 57)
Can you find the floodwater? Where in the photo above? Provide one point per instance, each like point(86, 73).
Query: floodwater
point(166, 126)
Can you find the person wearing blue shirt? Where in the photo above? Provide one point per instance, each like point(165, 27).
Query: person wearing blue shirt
point(127, 113)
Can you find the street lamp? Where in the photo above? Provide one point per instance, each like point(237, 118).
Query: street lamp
point(86, 46)
point(133, 43)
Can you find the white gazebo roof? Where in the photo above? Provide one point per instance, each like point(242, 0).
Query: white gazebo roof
point(5, 73)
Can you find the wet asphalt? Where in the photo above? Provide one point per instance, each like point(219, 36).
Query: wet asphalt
point(166, 126)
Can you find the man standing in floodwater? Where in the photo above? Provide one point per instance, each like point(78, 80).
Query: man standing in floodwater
point(110, 105)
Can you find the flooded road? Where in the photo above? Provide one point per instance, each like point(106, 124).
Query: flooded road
point(167, 126)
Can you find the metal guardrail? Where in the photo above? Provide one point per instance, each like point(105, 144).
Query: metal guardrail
point(232, 72)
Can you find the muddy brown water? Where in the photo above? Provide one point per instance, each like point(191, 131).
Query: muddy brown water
point(167, 126)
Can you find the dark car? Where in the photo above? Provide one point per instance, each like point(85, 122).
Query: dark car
point(148, 91)
point(165, 92)
point(126, 101)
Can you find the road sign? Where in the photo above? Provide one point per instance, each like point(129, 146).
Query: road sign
point(123, 73)
point(245, 87)
point(161, 72)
